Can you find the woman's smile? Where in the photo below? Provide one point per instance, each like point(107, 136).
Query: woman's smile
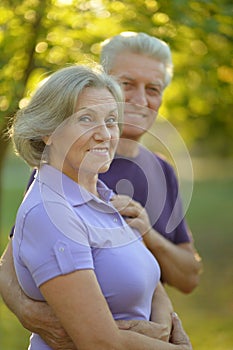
point(87, 142)
point(100, 150)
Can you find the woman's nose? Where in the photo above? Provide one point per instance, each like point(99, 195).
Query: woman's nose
point(102, 132)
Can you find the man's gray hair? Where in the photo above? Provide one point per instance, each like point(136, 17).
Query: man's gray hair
point(139, 43)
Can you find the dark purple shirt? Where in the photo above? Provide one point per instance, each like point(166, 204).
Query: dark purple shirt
point(151, 180)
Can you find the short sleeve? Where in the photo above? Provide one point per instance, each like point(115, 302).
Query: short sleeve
point(45, 246)
point(176, 222)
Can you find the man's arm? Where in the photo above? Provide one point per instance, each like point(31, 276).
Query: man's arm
point(36, 316)
point(180, 264)
point(162, 308)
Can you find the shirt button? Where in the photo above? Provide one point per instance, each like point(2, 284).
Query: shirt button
point(115, 220)
point(61, 249)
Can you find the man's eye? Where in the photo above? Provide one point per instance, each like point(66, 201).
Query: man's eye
point(126, 84)
point(154, 91)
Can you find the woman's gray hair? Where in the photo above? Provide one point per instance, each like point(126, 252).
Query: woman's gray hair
point(139, 43)
point(53, 102)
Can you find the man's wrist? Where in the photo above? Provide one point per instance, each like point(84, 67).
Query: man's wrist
point(153, 240)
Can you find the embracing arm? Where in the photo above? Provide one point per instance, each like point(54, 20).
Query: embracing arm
point(11, 292)
point(78, 302)
point(35, 316)
point(161, 308)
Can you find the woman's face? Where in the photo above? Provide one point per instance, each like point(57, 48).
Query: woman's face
point(86, 142)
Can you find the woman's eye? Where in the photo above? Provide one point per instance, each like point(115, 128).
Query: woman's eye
point(85, 118)
point(111, 121)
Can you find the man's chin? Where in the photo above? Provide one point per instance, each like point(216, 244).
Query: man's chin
point(132, 116)
point(132, 131)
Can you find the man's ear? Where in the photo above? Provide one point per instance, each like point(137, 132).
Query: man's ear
point(47, 140)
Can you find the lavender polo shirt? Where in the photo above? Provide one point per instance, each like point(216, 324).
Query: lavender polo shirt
point(60, 228)
point(151, 180)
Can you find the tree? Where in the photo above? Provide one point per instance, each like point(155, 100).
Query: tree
point(37, 37)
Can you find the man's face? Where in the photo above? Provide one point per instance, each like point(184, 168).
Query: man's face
point(142, 79)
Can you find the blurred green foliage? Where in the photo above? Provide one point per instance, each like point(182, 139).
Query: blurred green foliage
point(38, 37)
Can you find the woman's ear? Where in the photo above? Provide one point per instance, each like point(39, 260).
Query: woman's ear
point(47, 140)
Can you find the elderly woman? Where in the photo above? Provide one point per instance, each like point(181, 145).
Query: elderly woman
point(71, 247)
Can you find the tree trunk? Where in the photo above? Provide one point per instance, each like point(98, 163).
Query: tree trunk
point(4, 140)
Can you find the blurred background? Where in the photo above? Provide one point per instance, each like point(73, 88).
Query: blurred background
point(39, 37)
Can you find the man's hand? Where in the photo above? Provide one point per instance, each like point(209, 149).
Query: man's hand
point(39, 318)
point(135, 215)
point(150, 329)
point(178, 335)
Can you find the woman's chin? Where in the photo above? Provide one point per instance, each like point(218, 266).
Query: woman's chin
point(104, 168)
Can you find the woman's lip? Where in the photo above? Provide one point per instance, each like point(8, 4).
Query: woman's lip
point(99, 150)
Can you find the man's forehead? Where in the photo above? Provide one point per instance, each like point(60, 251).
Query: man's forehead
point(143, 68)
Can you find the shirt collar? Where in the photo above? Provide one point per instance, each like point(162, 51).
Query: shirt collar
point(69, 189)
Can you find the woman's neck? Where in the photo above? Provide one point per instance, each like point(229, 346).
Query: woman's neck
point(89, 182)
point(128, 148)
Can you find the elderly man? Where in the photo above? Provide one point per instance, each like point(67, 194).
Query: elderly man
point(143, 66)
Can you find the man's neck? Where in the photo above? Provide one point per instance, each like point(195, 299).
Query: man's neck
point(128, 148)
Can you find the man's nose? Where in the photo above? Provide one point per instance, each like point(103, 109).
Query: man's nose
point(139, 97)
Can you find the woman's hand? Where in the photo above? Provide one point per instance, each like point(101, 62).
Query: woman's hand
point(135, 215)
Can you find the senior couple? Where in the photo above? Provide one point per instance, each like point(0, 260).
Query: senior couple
point(95, 257)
